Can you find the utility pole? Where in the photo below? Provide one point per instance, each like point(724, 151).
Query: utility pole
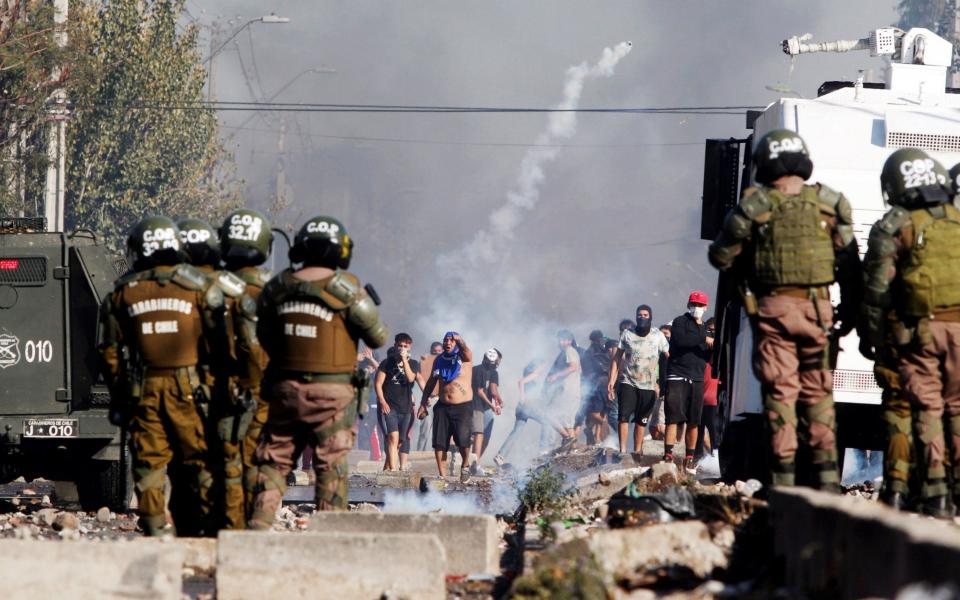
point(280, 200)
point(54, 188)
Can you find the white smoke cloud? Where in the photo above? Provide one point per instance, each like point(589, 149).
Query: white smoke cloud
point(477, 291)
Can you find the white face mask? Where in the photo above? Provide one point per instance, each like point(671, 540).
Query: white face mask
point(697, 312)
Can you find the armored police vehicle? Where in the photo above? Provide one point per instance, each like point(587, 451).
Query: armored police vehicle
point(850, 129)
point(53, 409)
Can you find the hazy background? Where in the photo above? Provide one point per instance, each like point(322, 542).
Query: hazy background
point(618, 219)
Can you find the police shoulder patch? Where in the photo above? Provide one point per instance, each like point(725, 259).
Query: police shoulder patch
point(891, 222)
point(248, 307)
point(827, 195)
point(754, 204)
point(190, 277)
point(132, 278)
point(231, 285)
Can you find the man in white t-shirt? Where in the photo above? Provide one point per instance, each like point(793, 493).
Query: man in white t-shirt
point(637, 363)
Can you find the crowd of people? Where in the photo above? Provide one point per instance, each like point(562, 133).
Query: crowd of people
point(647, 383)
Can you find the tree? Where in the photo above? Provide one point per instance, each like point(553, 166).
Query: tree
point(939, 16)
point(27, 59)
point(141, 141)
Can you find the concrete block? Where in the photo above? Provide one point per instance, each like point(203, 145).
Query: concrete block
point(399, 479)
point(625, 553)
point(368, 467)
point(471, 542)
point(852, 548)
point(665, 472)
point(255, 565)
point(602, 482)
point(85, 570)
point(199, 554)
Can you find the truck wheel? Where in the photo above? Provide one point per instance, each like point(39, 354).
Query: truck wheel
point(106, 483)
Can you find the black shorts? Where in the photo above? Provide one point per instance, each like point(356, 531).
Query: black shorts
point(399, 422)
point(683, 402)
point(635, 405)
point(454, 420)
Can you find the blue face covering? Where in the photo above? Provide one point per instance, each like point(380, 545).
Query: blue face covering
point(447, 365)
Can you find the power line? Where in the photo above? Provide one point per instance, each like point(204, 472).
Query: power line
point(466, 143)
point(257, 106)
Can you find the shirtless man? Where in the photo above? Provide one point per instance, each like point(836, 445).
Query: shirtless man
point(453, 414)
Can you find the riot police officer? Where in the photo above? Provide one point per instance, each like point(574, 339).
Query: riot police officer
point(310, 320)
point(789, 240)
point(232, 406)
point(154, 327)
point(245, 241)
point(911, 268)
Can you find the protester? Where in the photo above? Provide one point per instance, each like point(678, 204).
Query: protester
point(612, 404)
point(656, 428)
point(562, 388)
point(486, 403)
point(394, 388)
point(637, 362)
point(527, 408)
point(368, 427)
point(689, 347)
point(708, 418)
point(453, 414)
point(626, 324)
point(425, 433)
point(595, 364)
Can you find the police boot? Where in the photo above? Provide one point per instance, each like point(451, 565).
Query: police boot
point(893, 499)
point(938, 507)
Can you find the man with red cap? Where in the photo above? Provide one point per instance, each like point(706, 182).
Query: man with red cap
point(689, 349)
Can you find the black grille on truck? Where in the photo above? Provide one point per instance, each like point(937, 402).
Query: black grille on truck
point(23, 270)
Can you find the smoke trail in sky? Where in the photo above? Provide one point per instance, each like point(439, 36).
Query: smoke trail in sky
point(526, 193)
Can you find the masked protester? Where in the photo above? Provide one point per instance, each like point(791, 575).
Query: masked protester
point(453, 414)
point(787, 242)
point(486, 403)
point(637, 366)
point(311, 318)
point(595, 364)
point(154, 327)
point(683, 401)
point(911, 318)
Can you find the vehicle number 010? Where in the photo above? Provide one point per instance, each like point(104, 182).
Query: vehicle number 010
point(38, 351)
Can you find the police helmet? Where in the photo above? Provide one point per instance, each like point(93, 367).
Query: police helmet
point(199, 241)
point(322, 241)
point(154, 241)
point(245, 237)
point(911, 178)
point(955, 179)
point(778, 153)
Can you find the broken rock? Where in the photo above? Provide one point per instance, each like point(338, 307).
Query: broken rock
point(631, 554)
point(665, 472)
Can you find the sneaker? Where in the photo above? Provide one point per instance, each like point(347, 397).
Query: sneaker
point(690, 465)
point(465, 475)
point(475, 469)
point(499, 461)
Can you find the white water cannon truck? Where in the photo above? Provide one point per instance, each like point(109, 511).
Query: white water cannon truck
point(851, 127)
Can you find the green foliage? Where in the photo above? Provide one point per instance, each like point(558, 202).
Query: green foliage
point(28, 56)
point(939, 16)
point(545, 494)
point(544, 491)
point(139, 142)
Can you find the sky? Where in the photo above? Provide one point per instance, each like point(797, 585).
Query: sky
point(615, 222)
